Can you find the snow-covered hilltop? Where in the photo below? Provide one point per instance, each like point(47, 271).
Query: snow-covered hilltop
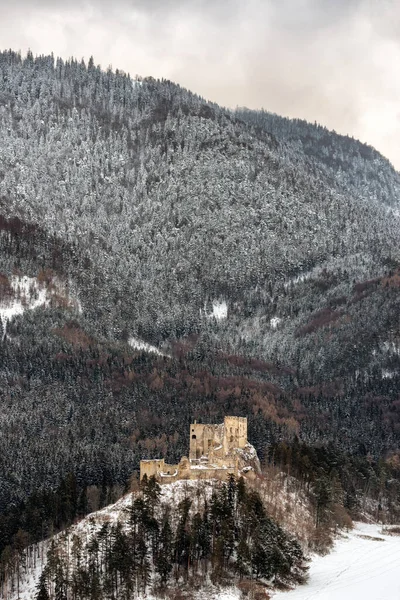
point(217, 536)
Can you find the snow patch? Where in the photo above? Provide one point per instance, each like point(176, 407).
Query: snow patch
point(169, 474)
point(393, 211)
point(386, 374)
point(29, 293)
point(219, 310)
point(142, 346)
point(274, 322)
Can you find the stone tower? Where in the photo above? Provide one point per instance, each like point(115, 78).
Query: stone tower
point(205, 440)
point(235, 433)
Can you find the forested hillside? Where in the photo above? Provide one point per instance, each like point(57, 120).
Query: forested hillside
point(175, 201)
point(187, 539)
point(259, 255)
point(352, 166)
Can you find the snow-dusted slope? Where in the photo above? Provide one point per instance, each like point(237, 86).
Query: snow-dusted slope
point(28, 293)
point(171, 495)
point(364, 565)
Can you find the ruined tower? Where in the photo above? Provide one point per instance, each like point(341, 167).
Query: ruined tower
point(235, 433)
point(215, 451)
point(205, 440)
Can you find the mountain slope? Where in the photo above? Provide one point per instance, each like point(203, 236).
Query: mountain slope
point(352, 166)
point(152, 207)
point(173, 199)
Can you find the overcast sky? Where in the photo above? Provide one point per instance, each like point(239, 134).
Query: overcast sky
point(332, 61)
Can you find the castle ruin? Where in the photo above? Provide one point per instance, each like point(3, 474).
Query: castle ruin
point(215, 452)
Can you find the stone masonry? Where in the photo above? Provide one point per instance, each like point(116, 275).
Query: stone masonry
point(216, 451)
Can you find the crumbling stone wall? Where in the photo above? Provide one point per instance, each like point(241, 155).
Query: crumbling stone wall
point(216, 451)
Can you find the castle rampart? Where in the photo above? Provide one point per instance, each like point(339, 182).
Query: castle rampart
point(215, 451)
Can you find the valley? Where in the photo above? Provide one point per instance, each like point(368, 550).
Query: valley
point(363, 564)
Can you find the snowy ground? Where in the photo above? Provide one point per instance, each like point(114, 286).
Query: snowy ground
point(28, 293)
point(142, 346)
point(171, 495)
point(364, 565)
point(219, 310)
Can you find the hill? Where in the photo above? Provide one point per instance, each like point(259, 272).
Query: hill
point(187, 539)
point(257, 257)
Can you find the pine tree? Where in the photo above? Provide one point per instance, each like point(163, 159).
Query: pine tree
point(243, 557)
point(42, 593)
point(151, 492)
point(182, 538)
point(164, 557)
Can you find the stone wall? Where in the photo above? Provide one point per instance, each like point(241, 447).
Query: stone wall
point(235, 433)
point(216, 451)
point(204, 438)
point(151, 467)
point(213, 473)
point(164, 473)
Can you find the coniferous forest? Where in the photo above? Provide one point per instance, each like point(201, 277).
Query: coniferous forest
point(229, 536)
point(257, 257)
